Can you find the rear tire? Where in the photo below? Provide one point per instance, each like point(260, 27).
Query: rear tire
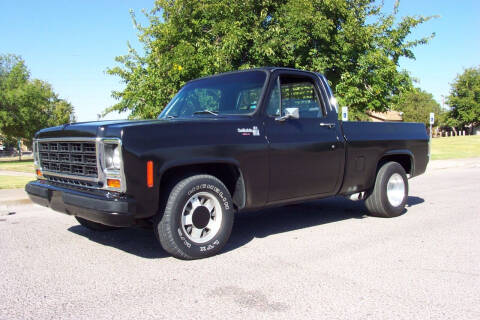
point(390, 193)
point(198, 218)
point(95, 226)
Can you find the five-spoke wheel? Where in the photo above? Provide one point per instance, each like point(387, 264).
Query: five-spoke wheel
point(201, 217)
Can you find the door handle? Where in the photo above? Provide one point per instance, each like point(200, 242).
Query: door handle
point(330, 125)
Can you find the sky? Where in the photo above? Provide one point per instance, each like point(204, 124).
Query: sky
point(70, 44)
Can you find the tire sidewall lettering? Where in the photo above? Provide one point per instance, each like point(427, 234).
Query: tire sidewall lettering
point(216, 190)
point(183, 239)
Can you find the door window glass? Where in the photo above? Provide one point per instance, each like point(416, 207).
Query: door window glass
point(295, 92)
point(274, 104)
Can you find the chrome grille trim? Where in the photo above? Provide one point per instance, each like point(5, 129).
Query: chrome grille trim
point(92, 156)
point(71, 181)
point(74, 158)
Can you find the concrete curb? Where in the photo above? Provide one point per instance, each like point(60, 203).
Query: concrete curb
point(453, 163)
point(16, 202)
point(14, 197)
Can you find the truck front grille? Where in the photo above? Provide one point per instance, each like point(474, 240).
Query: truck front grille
point(73, 158)
point(73, 182)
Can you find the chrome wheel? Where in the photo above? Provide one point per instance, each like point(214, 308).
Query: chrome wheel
point(201, 217)
point(395, 190)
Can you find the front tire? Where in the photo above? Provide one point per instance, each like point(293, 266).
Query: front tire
point(198, 218)
point(390, 193)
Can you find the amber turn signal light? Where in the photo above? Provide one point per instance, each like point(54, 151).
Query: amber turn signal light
point(39, 173)
point(113, 183)
point(150, 174)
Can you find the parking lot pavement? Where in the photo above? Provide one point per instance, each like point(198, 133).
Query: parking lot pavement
point(324, 260)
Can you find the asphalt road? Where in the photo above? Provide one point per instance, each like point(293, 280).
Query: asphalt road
point(321, 260)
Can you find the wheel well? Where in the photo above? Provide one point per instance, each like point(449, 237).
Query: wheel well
point(228, 173)
point(403, 159)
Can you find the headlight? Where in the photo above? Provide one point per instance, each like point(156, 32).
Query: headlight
point(112, 157)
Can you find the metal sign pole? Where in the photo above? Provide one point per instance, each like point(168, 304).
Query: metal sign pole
point(432, 121)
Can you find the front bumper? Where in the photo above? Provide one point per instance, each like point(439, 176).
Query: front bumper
point(96, 205)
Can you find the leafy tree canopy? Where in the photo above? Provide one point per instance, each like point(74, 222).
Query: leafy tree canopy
point(464, 99)
point(353, 42)
point(416, 106)
point(27, 105)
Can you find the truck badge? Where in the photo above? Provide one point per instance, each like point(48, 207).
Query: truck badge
point(249, 131)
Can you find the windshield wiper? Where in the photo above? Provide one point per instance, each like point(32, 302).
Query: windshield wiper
point(206, 112)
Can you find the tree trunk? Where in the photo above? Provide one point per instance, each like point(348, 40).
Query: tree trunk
point(454, 130)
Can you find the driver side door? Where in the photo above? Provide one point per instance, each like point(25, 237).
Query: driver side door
point(305, 155)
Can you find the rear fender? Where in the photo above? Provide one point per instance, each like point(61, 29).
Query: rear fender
point(399, 152)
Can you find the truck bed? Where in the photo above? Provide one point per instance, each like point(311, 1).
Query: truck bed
point(368, 142)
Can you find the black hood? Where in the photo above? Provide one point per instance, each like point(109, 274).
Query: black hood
point(116, 128)
point(110, 128)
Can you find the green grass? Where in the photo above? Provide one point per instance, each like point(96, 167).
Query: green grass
point(455, 147)
point(12, 182)
point(15, 165)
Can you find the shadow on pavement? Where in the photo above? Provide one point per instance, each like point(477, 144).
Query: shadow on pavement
point(247, 226)
point(413, 201)
point(137, 241)
point(267, 222)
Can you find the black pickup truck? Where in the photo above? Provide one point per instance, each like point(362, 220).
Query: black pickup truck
point(224, 144)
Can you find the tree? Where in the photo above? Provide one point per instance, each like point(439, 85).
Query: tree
point(27, 105)
point(353, 42)
point(464, 100)
point(416, 106)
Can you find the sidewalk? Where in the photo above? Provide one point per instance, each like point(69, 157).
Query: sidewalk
point(16, 173)
point(453, 163)
point(19, 196)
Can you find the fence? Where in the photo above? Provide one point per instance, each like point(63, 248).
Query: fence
point(443, 133)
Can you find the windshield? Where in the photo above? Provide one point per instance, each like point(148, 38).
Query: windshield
point(236, 93)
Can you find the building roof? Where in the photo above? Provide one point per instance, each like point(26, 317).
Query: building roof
point(390, 115)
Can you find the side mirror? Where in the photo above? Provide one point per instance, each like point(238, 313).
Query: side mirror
point(290, 113)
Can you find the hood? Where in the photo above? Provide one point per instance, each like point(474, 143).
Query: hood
point(117, 128)
point(110, 128)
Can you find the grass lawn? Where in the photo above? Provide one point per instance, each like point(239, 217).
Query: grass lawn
point(15, 165)
point(455, 147)
point(11, 182)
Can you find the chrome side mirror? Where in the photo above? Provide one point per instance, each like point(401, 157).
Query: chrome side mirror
point(290, 113)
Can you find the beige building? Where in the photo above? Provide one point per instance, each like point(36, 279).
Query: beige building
point(391, 115)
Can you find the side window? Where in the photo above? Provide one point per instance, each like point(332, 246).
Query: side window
point(274, 105)
point(295, 92)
